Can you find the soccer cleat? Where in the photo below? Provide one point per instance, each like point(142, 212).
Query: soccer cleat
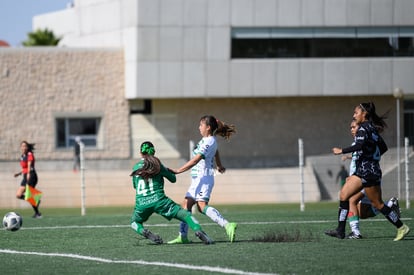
point(395, 206)
point(352, 235)
point(402, 232)
point(335, 233)
point(151, 236)
point(37, 216)
point(203, 236)
point(231, 231)
point(180, 240)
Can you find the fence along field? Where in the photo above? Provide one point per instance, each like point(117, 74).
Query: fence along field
point(106, 186)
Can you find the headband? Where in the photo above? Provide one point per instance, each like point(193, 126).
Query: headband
point(147, 149)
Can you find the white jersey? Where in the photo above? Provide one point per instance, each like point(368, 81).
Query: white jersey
point(352, 165)
point(207, 147)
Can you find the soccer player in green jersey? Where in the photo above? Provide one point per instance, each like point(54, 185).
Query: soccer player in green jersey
point(148, 181)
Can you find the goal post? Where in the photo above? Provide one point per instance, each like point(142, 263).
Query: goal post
point(301, 173)
point(82, 177)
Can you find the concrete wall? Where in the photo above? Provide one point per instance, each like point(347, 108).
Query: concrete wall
point(39, 84)
point(268, 129)
point(114, 187)
point(181, 48)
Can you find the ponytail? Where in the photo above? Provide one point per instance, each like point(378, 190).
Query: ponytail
point(373, 117)
point(151, 166)
point(219, 127)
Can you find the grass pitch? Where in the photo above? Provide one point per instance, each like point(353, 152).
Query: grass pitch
point(271, 239)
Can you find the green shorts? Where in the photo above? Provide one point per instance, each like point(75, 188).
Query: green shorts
point(165, 207)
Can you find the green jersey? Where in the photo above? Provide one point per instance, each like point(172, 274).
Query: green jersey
point(152, 190)
point(150, 196)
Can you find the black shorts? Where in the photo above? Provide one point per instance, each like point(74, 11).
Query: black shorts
point(370, 181)
point(369, 172)
point(32, 180)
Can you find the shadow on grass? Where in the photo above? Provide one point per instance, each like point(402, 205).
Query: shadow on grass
point(266, 237)
point(285, 236)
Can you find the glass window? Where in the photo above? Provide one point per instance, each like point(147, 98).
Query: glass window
point(322, 42)
point(67, 129)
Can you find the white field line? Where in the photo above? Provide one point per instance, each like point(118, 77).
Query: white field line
point(141, 262)
point(203, 224)
point(137, 262)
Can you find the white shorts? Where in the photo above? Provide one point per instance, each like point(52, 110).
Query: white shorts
point(200, 188)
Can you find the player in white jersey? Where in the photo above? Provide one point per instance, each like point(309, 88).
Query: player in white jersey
point(202, 165)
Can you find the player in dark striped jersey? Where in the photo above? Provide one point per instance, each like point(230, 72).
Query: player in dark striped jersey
point(359, 205)
point(369, 146)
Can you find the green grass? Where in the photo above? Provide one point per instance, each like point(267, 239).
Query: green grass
point(276, 239)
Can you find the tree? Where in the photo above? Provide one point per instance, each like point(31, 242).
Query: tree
point(41, 38)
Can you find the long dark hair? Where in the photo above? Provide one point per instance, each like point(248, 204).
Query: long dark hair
point(30, 146)
point(373, 117)
point(152, 165)
point(219, 127)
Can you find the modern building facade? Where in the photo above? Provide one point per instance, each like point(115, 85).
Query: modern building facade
point(279, 70)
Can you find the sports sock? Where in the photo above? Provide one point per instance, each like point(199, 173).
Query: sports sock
point(183, 225)
point(137, 227)
point(36, 209)
point(354, 223)
point(189, 219)
point(342, 215)
point(215, 215)
point(391, 216)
